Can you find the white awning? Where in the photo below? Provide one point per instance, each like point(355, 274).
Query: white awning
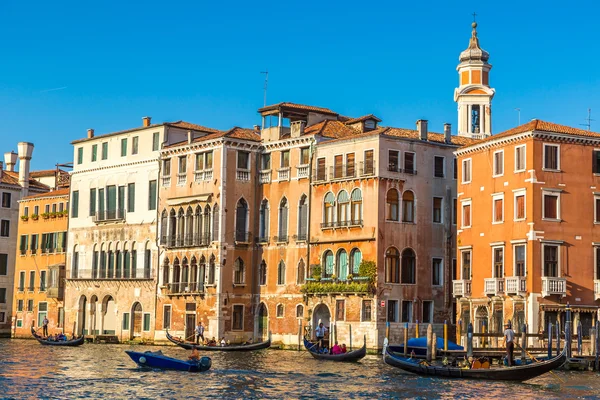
point(177, 201)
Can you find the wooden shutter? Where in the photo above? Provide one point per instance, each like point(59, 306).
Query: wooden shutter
point(338, 162)
point(321, 169)
point(467, 215)
point(520, 206)
point(350, 164)
point(368, 162)
point(498, 210)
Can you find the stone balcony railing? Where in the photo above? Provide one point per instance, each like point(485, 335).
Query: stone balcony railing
point(516, 285)
point(204, 175)
point(181, 179)
point(283, 174)
point(166, 181)
point(461, 288)
point(302, 171)
point(264, 176)
point(494, 286)
point(554, 285)
point(242, 175)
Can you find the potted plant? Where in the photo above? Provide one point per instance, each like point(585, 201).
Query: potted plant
point(65, 213)
point(349, 277)
point(53, 214)
point(34, 217)
point(24, 217)
point(45, 215)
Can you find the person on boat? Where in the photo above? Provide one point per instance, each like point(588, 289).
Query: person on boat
point(320, 332)
point(61, 337)
point(195, 356)
point(336, 349)
point(199, 332)
point(249, 341)
point(45, 326)
point(223, 343)
point(212, 342)
point(509, 338)
point(343, 347)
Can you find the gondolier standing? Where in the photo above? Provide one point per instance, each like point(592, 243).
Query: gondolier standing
point(45, 326)
point(509, 339)
point(199, 333)
point(320, 332)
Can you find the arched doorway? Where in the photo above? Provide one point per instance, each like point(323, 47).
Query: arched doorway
point(321, 314)
point(136, 312)
point(262, 332)
point(481, 321)
point(93, 329)
point(108, 316)
point(81, 316)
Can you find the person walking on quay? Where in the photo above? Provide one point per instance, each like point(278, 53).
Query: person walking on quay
point(320, 332)
point(199, 333)
point(509, 341)
point(45, 327)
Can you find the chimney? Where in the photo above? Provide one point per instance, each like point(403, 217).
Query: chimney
point(256, 128)
point(190, 136)
point(10, 159)
point(90, 133)
point(1, 170)
point(448, 132)
point(146, 121)
point(25, 151)
point(422, 128)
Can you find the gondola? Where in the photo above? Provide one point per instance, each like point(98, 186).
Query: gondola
point(517, 373)
point(156, 359)
point(242, 347)
point(73, 342)
point(350, 356)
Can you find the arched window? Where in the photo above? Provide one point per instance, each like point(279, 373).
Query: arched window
point(201, 273)
point(180, 227)
point(111, 261)
point(163, 227)
point(176, 276)
point(194, 280)
point(241, 221)
point(281, 273)
point(198, 239)
point(299, 311)
point(342, 264)
point(392, 265)
point(239, 272)
point(133, 273)
point(95, 260)
point(207, 233)
point(279, 310)
point(392, 201)
point(172, 229)
point(327, 264)
point(215, 233)
point(126, 261)
point(263, 221)
point(147, 260)
point(356, 207)
point(283, 220)
point(211, 270)
point(303, 218)
point(262, 273)
point(118, 262)
point(343, 208)
point(301, 272)
point(189, 227)
point(409, 267)
point(328, 203)
point(355, 260)
point(408, 206)
point(166, 272)
point(185, 273)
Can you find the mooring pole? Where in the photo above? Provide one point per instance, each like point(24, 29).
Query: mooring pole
point(558, 349)
point(445, 335)
point(405, 339)
point(470, 340)
point(523, 343)
point(549, 340)
point(568, 332)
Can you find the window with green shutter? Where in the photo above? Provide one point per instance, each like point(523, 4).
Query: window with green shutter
point(152, 195)
point(123, 147)
point(92, 202)
point(134, 145)
point(146, 322)
point(75, 204)
point(23, 246)
point(104, 150)
point(79, 155)
point(131, 197)
point(155, 139)
point(125, 321)
point(94, 152)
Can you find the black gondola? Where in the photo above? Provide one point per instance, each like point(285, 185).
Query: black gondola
point(354, 355)
point(517, 373)
point(69, 343)
point(243, 347)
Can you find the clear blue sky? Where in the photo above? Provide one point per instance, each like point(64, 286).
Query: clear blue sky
point(68, 65)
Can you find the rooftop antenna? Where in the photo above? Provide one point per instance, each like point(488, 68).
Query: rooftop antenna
point(519, 117)
point(266, 72)
point(588, 120)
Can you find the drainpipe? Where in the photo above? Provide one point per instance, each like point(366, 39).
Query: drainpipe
point(310, 180)
point(158, 221)
point(448, 236)
point(254, 286)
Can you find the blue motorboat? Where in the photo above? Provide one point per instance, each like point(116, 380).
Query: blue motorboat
point(419, 346)
point(156, 359)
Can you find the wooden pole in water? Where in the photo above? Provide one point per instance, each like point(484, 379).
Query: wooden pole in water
point(470, 340)
point(429, 337)
point(350, 335)
point(568, 331)
point(523, 343)
point(405, 339)
point(484, 331)
point(299, 333)
point(592, 341)
point(445, 335)
point(557, 337)
point(579, 337)
point(549, 340)
point(387, 330)
point(433, 345)
point(417, 329)
point(597, 346)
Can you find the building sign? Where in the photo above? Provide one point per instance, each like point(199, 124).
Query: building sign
point(382, 303)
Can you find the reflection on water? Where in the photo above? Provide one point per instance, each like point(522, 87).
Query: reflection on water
point(28, 369)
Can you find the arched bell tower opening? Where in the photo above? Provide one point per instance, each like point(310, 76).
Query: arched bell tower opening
point(474, 94)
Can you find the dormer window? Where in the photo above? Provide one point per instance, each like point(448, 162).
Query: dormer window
point(370, 124)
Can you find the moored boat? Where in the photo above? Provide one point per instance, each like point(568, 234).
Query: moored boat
point(67, 343)
point(517, 373)
point(354, 355)
point(156, 359)
point(243, 347)
point(418, 346)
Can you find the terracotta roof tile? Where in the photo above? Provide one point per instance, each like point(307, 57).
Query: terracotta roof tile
point(243, 133)
point(45, 172)
point(331, 129)
point(295, 106)
point(363, 118)
point(54, 193)
point(12, 178)
point(189, 125)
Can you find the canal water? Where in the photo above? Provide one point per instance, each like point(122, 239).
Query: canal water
point(30, 370)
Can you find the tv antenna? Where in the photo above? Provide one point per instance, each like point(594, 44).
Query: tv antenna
point(266, 72)
point(519, 117)
point(588, 120)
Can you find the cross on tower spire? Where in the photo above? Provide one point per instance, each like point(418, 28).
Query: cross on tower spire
point(474, 17)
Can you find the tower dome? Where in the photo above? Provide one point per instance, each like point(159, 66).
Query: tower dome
point(474, 52)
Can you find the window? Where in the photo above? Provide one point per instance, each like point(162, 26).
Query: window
point(36, 210)
point(281, 273)
point(350, 167)
point(392, 311)
point(355, 260)
point(285, 159)
point(304, 155)
point(356, 207)
point(299, 311)
point(4, 228)
point(407, 311)
point(338, 169)
point(437, 270)
point(167, 317)
point(409, 268)
point(243, 160)
point(279, 311)
point(551, 260)
point(437, 209)
point(409, 163)
point(47, 208)
point(283, 220)
point(146, 326)
point(182, 164)
point(498, 211)
point(328, 203)
point(94, 152)
point(155, 141)
point(392, 265)
point(466, 265)
point(3, 296)
point(238, 317)
point(166, 167)
point(29, 305)
point(262, 273)
point(551, 157)
point(519, 206)
point(343, 211)
point(34, 244)
point(393, 205)
point(6, 197)
point(427, 311)
point(42, 312)
point(454, 270)
point(263, 221)
point(466, 214)
point(454, 168)
point(342, 264)
point(239, 272)
point(327, 266)
point(520, 158)
point(499, 163)
point(22, 281)
point(466, 171)
point(519, 252)
point(3, 264)
point(265, 162)
point(321, 171)
point(367, 306)
point(104, 150)
point(340, 312)
point(79, 155)
point(303, 218)
point(438, 167)
point(394, 161)
point(551, 203)
point(125, 321)
point(408, 207)
point(123, 147)
point(131, 197)
point(23, 244)
point(369, 163)
point(454, 212)
point(31, 281)
point(43, 275)
point(75, 204)
point(19, 305)
point(152, 195)
point(134, 145)
point(301, 273)
point(498, 254)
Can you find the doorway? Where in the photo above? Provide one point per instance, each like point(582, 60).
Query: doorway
point(321, 314)
point(81, 316)
point(263, 322)
point(190, 326)
point(136, 311)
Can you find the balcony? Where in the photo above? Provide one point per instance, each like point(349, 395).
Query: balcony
point(394, 167)
point(367, 169)
point(166, 181)
point(109, 216)
point(342, 171)
point(181, 178)
point(283, 174)
point(554, 285)
point(185, 288)
point(327, 286)
point(410, 171)
point(516, 285)
point(242, 175)
point(302, 171)
point(264, 176)
point(494, 286)
point(596, 289)
point(461, 288)
point(204, 175)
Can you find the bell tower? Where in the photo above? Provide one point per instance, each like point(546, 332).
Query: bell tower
point(474, 94)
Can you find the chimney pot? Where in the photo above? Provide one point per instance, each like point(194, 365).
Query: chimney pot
point(25, 152)
point(146, 121)
point(90, 133)
point(256, 128)
point(422, 128)
point(448, 132)
point(10, 159)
